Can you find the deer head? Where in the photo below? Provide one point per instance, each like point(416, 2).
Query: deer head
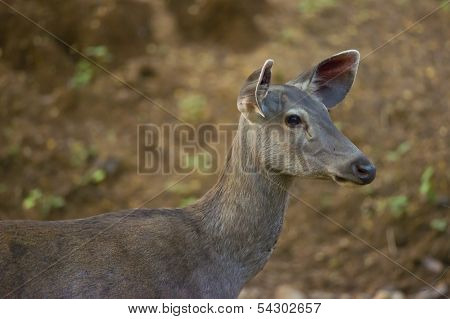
point(292, 128)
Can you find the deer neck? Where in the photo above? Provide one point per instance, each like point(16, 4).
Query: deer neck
point(243, 213)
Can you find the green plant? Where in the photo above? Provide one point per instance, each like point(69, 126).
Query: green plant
point(99, 52)
point(201, 162)
point(426, 184)
point(80, 153)
point(396, 154)
point(44, 203)
point(192, 108)
point(85, 70)
point(287, 35)
point(97, 176)
point(187, 201)
point(51, 202)
point(439, 224)
point(398, 205)
point(31, 200)
point(314, 6)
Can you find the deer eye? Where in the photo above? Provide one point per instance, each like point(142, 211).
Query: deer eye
point(293, 120)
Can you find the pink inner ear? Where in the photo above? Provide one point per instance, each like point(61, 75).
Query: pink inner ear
point(336, 66)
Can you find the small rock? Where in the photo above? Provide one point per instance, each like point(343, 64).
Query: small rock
point(110, 165)
point(250, 293)
point(442, 201)
point(322, 295)
point(440, 291)
point(433, 265)
point(288, 292)
point(386, 293)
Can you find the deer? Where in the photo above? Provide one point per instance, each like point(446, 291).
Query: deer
point(213, 247)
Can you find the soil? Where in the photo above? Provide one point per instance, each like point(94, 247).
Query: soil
point(68, 129)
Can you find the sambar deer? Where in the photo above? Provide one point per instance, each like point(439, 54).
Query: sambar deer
point(213, 247)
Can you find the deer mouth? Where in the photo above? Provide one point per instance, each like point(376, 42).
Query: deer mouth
point(339, 179)
point(343, 181)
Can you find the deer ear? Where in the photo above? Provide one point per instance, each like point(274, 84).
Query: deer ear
point(331, 79)
point(255, 90)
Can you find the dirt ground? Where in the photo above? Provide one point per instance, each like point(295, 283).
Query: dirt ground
point(68, 129)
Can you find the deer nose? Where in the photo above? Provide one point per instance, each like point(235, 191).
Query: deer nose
point(364, 170)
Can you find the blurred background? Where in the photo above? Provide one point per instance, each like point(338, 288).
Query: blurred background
point(68, 129)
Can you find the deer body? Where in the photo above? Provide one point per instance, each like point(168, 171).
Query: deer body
point(213, 247)
point(208, 250)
